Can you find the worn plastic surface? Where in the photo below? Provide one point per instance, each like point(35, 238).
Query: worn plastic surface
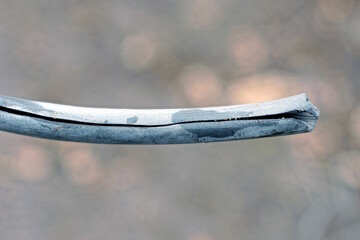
point(285, 116)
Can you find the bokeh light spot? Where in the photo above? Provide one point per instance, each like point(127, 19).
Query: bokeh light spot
point(138, 51)
point(247, 48)
point(31, 164)
point(202, 14)
point(201, 84)
point(260, 87)
point(335, 11)
point(82, 167)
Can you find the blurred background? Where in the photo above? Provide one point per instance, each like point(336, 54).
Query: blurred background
point(183, 53)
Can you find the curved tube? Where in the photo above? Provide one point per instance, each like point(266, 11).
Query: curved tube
point(285, 116)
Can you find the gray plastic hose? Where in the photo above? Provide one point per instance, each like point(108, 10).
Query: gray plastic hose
point(285, 116)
